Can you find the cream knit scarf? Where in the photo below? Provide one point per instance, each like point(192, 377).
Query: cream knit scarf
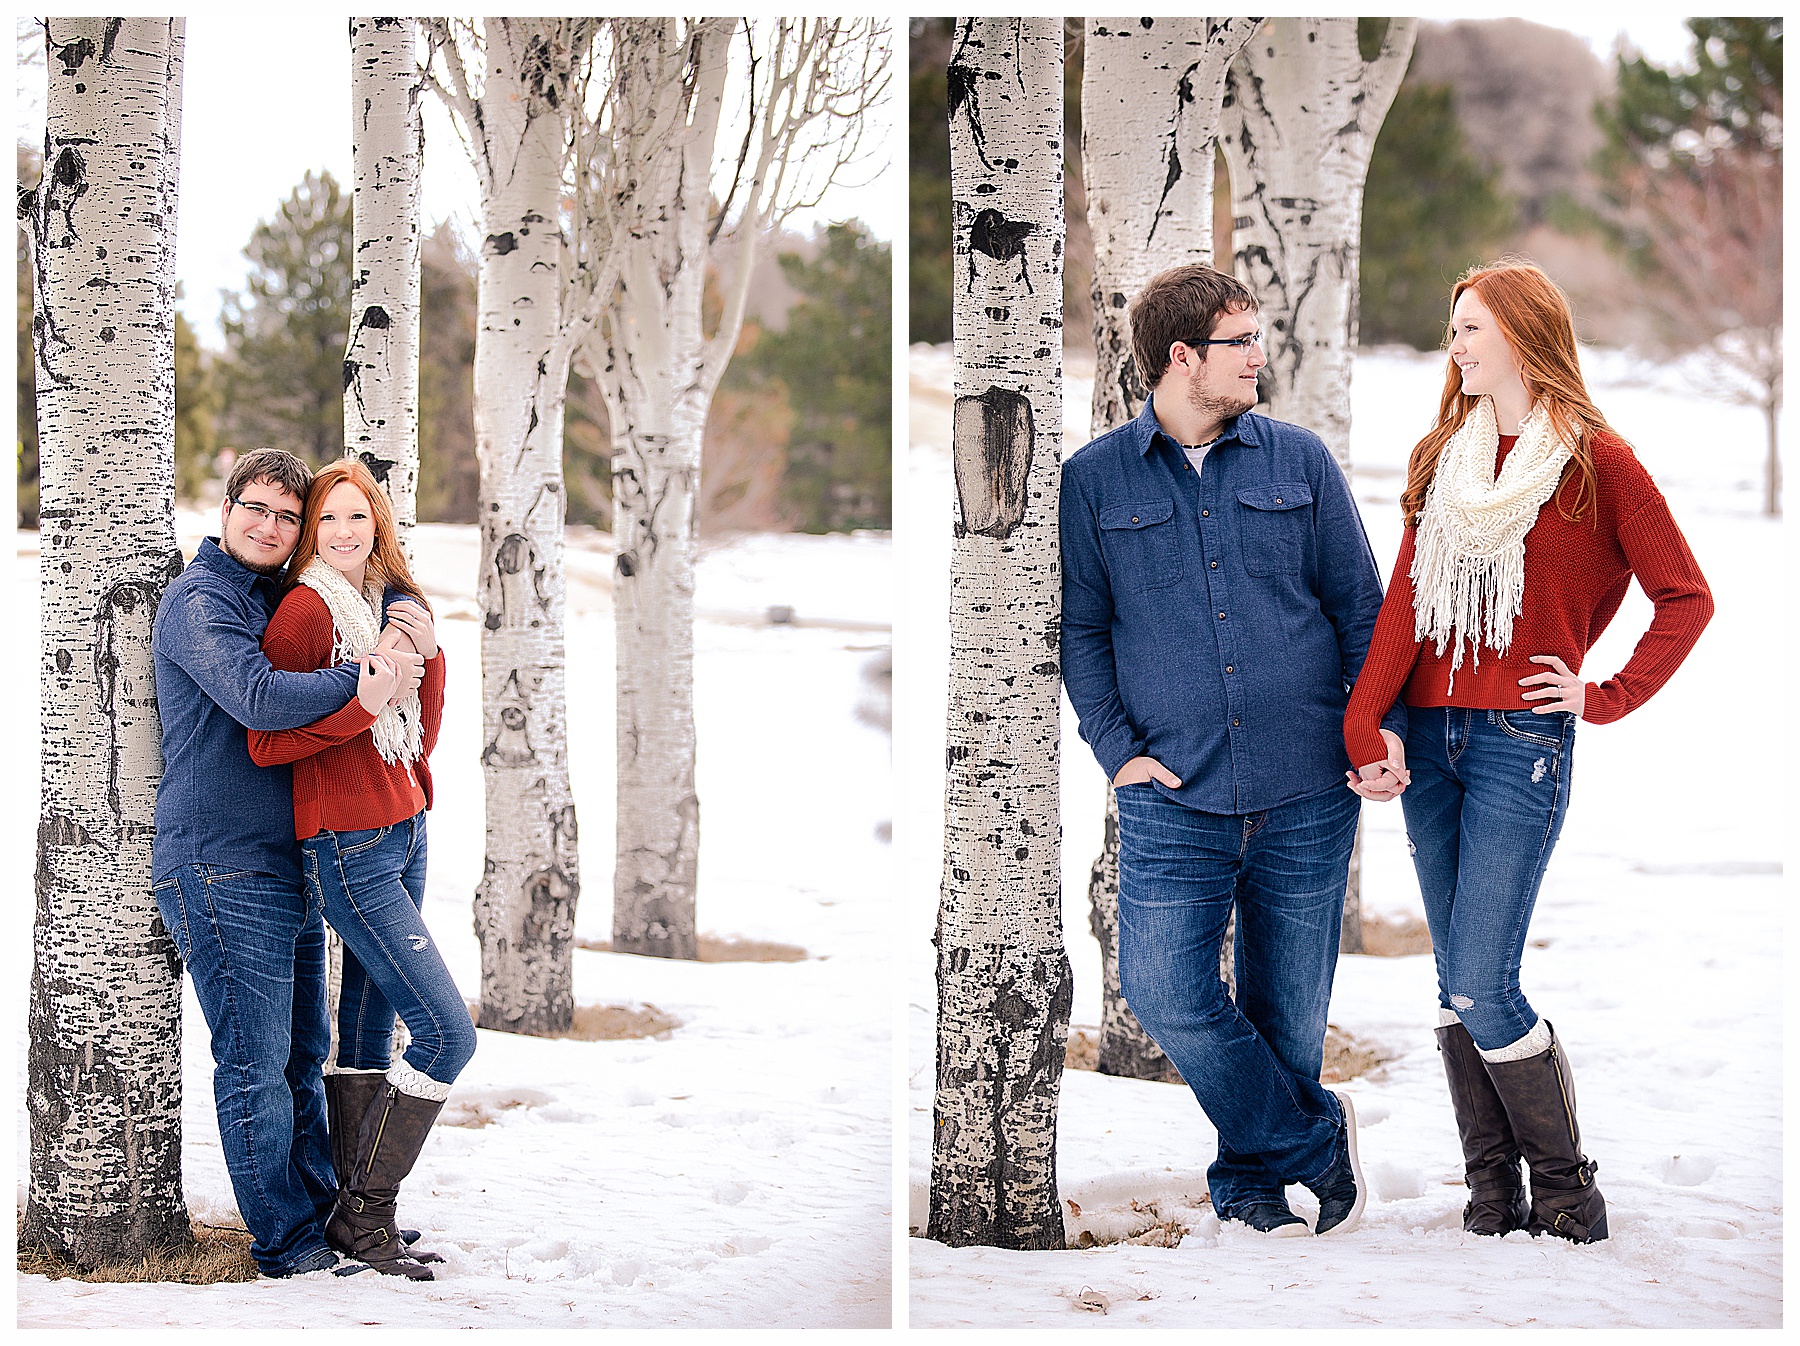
point(1468, 569)
point(397, 730)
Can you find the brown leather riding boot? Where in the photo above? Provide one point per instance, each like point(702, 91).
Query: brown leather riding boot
point(362, 1224)
point(1497, 1202)
point(1539, 1094)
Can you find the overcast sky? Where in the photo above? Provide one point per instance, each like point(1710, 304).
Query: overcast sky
point(252, 127)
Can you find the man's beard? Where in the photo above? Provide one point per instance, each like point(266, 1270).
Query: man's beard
point(1221, 406)
point(260, 567)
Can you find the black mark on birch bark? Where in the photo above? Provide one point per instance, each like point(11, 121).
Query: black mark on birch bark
point(1002, 239)
point(993, 438)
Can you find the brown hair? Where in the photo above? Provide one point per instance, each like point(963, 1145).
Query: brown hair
point(276, 467)
point(386, 561)
point(1183, 303)
point(1534, 317)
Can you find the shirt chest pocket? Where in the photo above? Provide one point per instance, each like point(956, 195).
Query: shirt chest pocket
point(1142, 545)
point(1273, 524)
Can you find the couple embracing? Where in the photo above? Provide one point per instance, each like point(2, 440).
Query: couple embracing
point(301, 687)
point(1234, 665)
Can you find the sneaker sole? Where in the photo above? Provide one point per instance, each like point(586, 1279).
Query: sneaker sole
point(1354, 1218)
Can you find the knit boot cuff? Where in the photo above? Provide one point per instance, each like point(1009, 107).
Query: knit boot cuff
point(416, 1082)
point(1532, 1044)
point(356, 1070)
point(1447, 1017)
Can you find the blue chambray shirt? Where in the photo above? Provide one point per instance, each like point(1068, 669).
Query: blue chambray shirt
point(1216, 620)
point(215, 806)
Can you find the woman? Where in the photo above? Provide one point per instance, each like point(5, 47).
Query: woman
point(1527, 516)
point(361, 788)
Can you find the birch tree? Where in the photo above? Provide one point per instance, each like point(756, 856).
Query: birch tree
point(381, 360)
point(1002, 972)
point(810, 83)
point(511, 111)
point(1159, 80)
point(104, 1062)
point(1302, 110)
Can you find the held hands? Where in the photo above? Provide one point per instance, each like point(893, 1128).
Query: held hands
point(1387, 778)
point(1569, 691)
point(376, 682)
point(414, 619)
point(1141, 769)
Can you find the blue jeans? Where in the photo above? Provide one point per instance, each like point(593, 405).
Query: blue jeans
point(1254, 1064)
point(1485, 807)
point(255, 948)
point(372, 885)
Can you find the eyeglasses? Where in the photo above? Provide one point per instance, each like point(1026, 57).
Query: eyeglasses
point(1242, 343)
point(285, 517)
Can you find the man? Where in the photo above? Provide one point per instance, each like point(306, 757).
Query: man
point(225, 865)
point(1218, 599)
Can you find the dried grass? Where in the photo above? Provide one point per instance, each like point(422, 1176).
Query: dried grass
point(1346, 1055)
point(216, 1255)
point(725, 949)
point(1395, 937)
point(609, 1023)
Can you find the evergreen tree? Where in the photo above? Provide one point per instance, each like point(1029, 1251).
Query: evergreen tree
point(30, 164)
point(1430, 211)
point(928, 191)
point(282, 381)
point(196, 412)
point(833, 359)
point(448, 473)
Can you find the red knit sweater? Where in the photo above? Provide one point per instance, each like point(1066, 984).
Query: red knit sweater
point(340, 782)
point(1576, 575)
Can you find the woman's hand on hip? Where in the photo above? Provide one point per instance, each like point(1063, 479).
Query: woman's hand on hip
point(1557, 689)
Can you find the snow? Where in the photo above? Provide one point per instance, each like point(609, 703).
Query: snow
point(1656, 951)
point(736, 1172)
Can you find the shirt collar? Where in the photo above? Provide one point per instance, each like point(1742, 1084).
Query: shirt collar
point(1145, 429)
point(215, 559)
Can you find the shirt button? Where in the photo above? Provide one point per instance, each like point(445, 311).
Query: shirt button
point(1234, 722)
point(1278, 500)
point(1213, 564)
point(1230, 669)
point(1134, 518)
point(1206, 514)
point(1221, 616)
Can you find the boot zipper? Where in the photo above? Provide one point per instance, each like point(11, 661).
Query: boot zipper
point(1568, 1112)
point(380, 1128)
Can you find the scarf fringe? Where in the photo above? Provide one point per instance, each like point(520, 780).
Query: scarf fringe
point(398, 731)
point(1468, 569)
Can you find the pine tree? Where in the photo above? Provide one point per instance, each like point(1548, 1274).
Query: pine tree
point(1430, 211)
point(281, 382)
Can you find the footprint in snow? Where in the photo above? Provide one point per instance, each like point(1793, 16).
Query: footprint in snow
point(1685, 1170)
point(1706, 1229)
point(730, 1193)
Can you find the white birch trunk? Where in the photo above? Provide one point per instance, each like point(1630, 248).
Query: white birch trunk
point(658, 372)
point(1142, 80)
point(1003, 973)
point(1302, 110)
point(381, 358)
point(104, 1067)
point(381, 361)
point(525, 904)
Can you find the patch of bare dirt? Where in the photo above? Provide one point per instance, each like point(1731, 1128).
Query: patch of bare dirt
point(1346, 1056)
point(216, 1255)
point(1395, 936)
point(609, 1023)
point(725, 949)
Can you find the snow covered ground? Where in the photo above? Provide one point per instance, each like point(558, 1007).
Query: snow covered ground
point(1656, 950)
point(736, 1172)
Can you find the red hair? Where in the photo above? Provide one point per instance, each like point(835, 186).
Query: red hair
point(1534, 317)
point(386, 561)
